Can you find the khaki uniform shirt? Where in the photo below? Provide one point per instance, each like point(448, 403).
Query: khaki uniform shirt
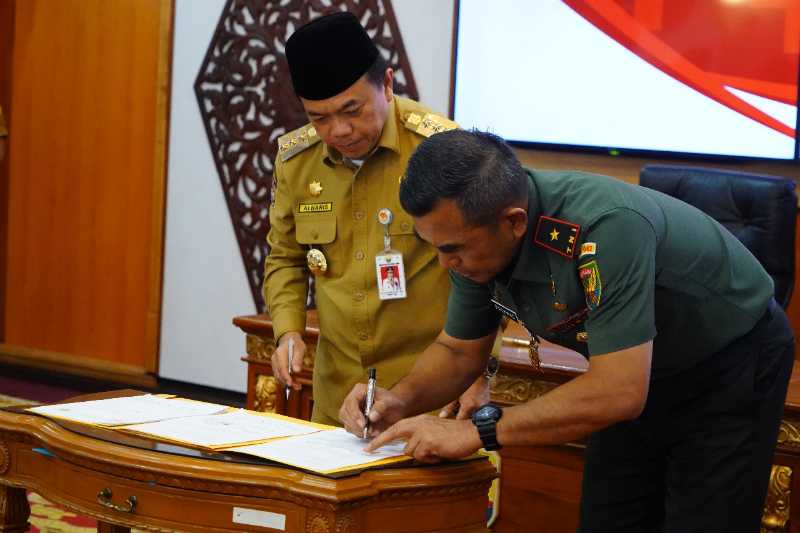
point(3, 127)
point(357, 329)
point(606, 266)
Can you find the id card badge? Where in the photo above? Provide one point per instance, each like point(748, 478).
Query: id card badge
point(391, 275)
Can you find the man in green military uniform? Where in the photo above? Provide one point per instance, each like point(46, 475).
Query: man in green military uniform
point(336, 212)
point(689, 354)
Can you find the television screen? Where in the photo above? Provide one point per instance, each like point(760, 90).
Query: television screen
point(710, 77)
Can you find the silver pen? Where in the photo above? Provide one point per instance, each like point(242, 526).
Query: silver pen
point(291, 354)
point(369, 400)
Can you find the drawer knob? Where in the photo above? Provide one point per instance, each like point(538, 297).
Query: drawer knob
point(104, 499)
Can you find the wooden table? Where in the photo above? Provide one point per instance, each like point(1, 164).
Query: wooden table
point(540, 485)
point(127, 482)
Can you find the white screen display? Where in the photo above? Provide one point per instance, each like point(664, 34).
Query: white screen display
point(568, 72)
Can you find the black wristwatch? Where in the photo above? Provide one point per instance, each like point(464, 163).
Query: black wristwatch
point(485, 419)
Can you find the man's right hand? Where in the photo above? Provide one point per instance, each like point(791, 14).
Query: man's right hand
point(387, 408)
point(280, 359)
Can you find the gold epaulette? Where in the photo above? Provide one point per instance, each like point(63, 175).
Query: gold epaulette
point(296, 141)
point(428, 124)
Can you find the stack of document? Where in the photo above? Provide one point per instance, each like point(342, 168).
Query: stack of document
point(128, 410)
point(315, 447)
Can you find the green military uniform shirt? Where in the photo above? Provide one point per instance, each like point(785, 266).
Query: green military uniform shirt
point(606, 265)
point(3, 127)
point(323, 202)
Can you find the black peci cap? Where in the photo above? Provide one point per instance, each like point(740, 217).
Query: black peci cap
point(328, 55)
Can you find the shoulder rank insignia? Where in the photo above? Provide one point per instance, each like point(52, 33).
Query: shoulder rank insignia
point(556, 235)
point(296, 141)
point(428, 124)
point(589, 273)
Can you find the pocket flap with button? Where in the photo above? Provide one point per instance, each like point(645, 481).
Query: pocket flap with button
point(402, 225)
point(316, 228)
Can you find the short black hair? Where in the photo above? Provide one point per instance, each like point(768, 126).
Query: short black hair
point(376, 72)
point(476, 169)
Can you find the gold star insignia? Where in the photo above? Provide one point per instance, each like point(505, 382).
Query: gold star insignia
point(315, 188)
point(554, 235)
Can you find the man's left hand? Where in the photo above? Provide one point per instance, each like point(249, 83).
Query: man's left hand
point(430, 439)
point(476, 395)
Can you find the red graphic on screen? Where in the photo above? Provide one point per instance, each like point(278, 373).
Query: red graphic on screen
point(753, 46)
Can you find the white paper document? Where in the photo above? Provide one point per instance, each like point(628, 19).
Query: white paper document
point(324, 451)
point(224, 429)
point(128, 410)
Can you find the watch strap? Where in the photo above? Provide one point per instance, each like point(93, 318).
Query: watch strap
point(488, 433)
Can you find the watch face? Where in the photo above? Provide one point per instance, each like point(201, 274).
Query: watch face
point(487, 412)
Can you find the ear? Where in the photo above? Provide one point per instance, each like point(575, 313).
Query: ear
point(517, 217)
point(388, 82)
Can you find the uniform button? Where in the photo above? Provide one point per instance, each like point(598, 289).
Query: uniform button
point(358, 296)
point(359, 255)
point(314, 234)
point(363, 336)
point(405, 226)
point(358, 215)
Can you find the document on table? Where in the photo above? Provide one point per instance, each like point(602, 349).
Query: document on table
point(325, 452)
point(128, 410)
point(226, 429)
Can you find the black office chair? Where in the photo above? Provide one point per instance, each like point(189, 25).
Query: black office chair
point(760, 210)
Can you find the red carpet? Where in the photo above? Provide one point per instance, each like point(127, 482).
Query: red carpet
point(49, 518)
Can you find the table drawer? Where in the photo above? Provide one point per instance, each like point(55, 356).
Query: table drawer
point(106, 497)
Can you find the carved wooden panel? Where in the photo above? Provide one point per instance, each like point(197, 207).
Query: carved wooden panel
point(246, 101)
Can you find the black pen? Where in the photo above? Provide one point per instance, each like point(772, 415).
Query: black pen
point(370, 399)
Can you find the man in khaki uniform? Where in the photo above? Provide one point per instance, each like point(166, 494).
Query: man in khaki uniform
point(332, 179)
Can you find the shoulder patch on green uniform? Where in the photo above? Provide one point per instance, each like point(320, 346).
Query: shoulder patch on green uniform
point(556, 235)
point(296, 141)
point(589, 273)
point(427, 124)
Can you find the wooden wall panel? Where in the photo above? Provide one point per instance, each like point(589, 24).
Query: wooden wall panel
point(6, 48)
point(85, 214)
